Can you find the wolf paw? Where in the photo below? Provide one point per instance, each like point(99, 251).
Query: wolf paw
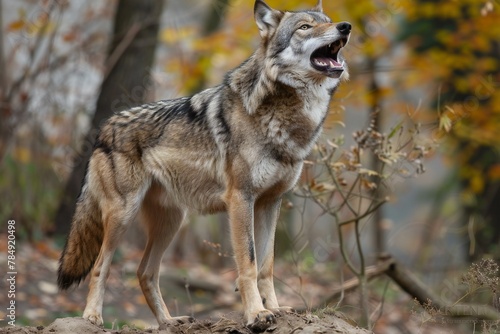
point(262, 321)
point(183, 319)
point(94, 318)
point(175, 321)
point(282, 310)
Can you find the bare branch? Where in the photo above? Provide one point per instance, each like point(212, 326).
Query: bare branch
point(352, 284)
point(415, 288)
point(368, 212)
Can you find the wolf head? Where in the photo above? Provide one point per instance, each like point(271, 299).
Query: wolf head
point(302, 46)
point(300, 49)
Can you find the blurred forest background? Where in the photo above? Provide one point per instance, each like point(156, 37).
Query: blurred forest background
point(424, 85)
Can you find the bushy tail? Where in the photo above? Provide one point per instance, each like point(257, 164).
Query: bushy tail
point(83, 243)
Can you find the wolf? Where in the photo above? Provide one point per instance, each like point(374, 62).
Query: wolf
point(237, 147)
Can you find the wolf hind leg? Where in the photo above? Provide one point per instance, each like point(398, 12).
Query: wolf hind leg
point(162, 223)
point(116, 219)
point(120, 193)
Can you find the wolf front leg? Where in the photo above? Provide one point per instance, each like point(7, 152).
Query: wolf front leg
point(266, 217)
point(241, 217)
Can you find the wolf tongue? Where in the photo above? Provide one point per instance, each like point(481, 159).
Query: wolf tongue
point(334, 63)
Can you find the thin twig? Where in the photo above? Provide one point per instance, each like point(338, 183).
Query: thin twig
point(343, 252)
point(365, 214)
point(186, 286)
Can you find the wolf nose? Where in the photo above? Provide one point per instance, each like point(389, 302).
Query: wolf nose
point(344, 27)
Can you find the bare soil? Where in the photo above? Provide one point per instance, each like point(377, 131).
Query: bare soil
point(287, 323)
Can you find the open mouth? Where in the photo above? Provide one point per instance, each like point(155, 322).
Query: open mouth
point(325, 59)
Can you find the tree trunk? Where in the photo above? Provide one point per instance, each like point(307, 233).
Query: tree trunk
point(125, 84)
point(485, 214)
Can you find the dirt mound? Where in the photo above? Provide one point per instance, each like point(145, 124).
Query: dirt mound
point(287, 323)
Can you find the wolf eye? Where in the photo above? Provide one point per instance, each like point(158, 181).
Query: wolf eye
point(305, 27)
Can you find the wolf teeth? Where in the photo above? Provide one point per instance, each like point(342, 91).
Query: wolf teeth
point(329, 63)
point(320, 63)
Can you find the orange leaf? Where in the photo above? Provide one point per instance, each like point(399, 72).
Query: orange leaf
point(69, 37)
point(16, 25)
point(494, 172)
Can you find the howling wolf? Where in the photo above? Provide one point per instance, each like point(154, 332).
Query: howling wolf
point(237, 147)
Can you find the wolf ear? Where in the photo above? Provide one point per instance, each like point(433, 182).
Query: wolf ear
point(267, 19)
point(318, 7)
